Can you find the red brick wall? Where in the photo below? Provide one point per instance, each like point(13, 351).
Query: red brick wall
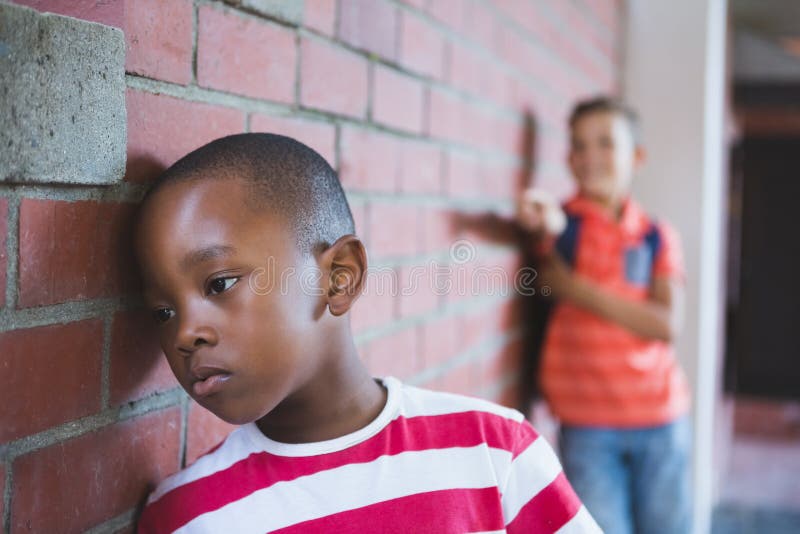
point(421, 106)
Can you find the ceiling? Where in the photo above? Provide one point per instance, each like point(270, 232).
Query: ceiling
point(766, 41)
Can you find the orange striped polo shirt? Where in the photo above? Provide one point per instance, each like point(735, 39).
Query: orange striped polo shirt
point(595, 372)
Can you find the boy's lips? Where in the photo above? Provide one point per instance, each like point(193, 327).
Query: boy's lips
point(208, 379)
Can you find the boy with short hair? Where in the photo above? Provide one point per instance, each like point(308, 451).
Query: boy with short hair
point(250, 265)
point(607, 369)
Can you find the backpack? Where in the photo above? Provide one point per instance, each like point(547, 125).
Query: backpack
point(537, 309)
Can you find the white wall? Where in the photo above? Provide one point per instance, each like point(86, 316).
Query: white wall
point(674, 75)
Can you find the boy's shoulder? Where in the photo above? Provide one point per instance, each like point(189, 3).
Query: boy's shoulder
point(434, 417)
point(435, 411)
point(234, 448)
point(635, 218)
point(420, 436)
point(417, 401)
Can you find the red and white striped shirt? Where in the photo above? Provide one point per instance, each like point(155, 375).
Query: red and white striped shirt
point(430, 462)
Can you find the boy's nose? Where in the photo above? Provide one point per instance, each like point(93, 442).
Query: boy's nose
point(192, 335)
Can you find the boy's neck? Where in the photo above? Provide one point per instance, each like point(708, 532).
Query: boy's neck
point(342, 398)
point(612, 206)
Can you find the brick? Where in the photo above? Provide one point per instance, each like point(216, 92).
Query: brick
point(61, 96)
point(162, 129)
point(490, 279)
point(368, 160)
point(397, 100)
point(448, 12)
point(394, 230)
point(521, 12)
point(204, 432)
point(504, 179)
point(74, 251)
point(420, 168)
point(476, 326)
point(422, 47)
point(474, 73)
point(508, 134)
point(370, 25)
point(460, 380)
point(114, 468)
point(417, 293)
point(576, 20)
point(280, 9)
point(607, 12)
point(138, 365)
point(332, 79)
point(245, 56)
point(3, 258)
point(440, 226)
point(440, 341)
point(375, 306)
point(526, 57)
point(51, 375)
point(394, 355)
point(464, 178)
point(359, 212)
point(320, 15)
point(159, 38)
point(108, 12)
point(321, 136)
point(460, 274)
point(450, 117)
point(497, 83)
point(465, 71)
point(479, 23)
point(506, 362)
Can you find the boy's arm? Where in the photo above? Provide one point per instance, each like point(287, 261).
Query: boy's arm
point(659, 317)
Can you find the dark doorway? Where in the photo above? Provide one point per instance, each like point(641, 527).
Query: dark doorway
point(764, 328)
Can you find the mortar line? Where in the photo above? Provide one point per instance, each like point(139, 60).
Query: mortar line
point(105, 366)
point(7, 493)
point(12, 254)
point(79, 427)
point(184, 403)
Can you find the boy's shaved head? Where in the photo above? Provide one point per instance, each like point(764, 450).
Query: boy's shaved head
point(606, 104)
point(283, 175)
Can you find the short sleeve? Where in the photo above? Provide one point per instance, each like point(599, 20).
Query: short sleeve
point(669, 256)
point(537, 496)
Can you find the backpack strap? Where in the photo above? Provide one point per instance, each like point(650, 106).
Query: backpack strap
point(567, 242)
point(653, 240)
point(536, 315)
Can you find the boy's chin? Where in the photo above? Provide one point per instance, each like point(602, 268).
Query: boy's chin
point(226, 412)
point(597, 194)
point(603, 192)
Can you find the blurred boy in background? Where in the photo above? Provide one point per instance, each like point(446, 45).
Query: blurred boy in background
point(608, 371)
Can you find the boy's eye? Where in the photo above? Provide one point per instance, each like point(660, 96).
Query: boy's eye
point(162, 315)
point(219, 285)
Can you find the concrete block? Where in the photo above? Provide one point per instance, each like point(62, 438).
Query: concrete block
point(62, 99)
point(291, 11)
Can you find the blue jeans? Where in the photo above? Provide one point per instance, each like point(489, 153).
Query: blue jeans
point(631, 480)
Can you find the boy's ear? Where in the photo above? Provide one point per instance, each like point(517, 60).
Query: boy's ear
point(639, 156)
point(344, 266)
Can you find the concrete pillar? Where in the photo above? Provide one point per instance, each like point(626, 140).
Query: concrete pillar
point(674, 75)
